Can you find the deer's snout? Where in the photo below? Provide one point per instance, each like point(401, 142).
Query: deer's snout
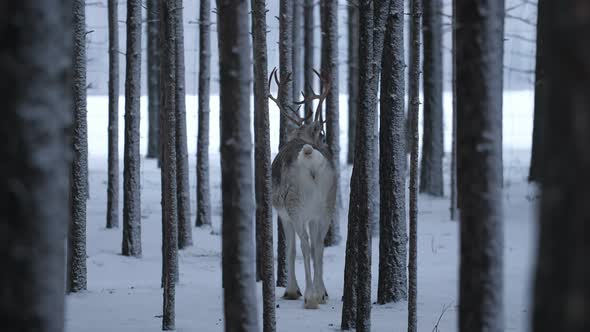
point(307, 150)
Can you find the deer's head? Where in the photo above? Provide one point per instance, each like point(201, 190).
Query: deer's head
point(309, 128)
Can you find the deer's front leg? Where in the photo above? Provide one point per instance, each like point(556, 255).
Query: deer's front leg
point(292, 291)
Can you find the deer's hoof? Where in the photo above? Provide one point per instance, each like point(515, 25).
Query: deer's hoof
point(324, 298)
point(311, 303)
point(292, 295)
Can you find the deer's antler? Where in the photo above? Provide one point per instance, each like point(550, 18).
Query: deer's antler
point(295, 118)
point(325, 87)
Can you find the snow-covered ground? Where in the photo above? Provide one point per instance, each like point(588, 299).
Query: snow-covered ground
point(124, 294)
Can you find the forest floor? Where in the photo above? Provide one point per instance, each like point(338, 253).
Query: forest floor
point(124, 293)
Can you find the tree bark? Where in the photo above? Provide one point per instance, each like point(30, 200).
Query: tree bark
point(363, 182)
point(413, 112)
point(203, 193)
point(168, 45)
point(262, 170)
point(131, 163)
point(298, 69)
point(36, 92)
point(380, 17)
point(392, 282)
point(77, 278)
point(454, 197)
point(309, 51)
point(479, 164)
point(113, 130)
point(541, 94)
point(185, 233)
point(353, 73)
point(286, 98)
point(153, 78)
point(238, 255)
point(431, 170)
point(561, 290)
point(411, 84)
point(330, 70)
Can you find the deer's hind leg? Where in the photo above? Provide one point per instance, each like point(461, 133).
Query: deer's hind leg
point(311, 301)
point(292, 291)
point(319, 259)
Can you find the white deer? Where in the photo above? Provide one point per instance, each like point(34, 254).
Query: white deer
point(304, 194)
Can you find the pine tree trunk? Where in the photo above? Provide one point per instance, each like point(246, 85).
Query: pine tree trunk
point(541, 94)
point(349, 299)
point(131, 161)
point(79, 177)
point(238, 254)
point(454, 197)
point(308, 49)
point(392, 283)
point(411, 84)
point(153, 78)
point(113, 130)
point(413, 111)
point(286, 98)
point(36, 117)
point(203, 193)
point(381, 10)
point(431, 170)
point(479, 164)
point(286, 64)
point(298, 69)
point(330, 44)
point(353, 73)
point(561, 289)
point(262, 170)
point(168, 46)
point(363, 180)
point(185, 233)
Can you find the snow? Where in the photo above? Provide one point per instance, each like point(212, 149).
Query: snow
point(124, 293)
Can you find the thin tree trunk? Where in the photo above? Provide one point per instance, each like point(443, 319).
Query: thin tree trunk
point(131, 163)
point(298, 69)
point(168, 45)
point(561, 290)
point(411, 84)
point(238, 254)
point(363, 182)
point(414, 100)
point(286, 98)
point(203, 193)
point(431, 170)
point(286, 64)
point(262, 170)
point(541, 94)
point(113, 130)
point(349, 299)
point(479, 164)
point(153, 79)
point(353, 73)
point(381, 10)
point(392, 283)
point(454, 196)
point(37, 114)
point(185, 233)
point(309, 51)
point(330, 44)
point(78, 181)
